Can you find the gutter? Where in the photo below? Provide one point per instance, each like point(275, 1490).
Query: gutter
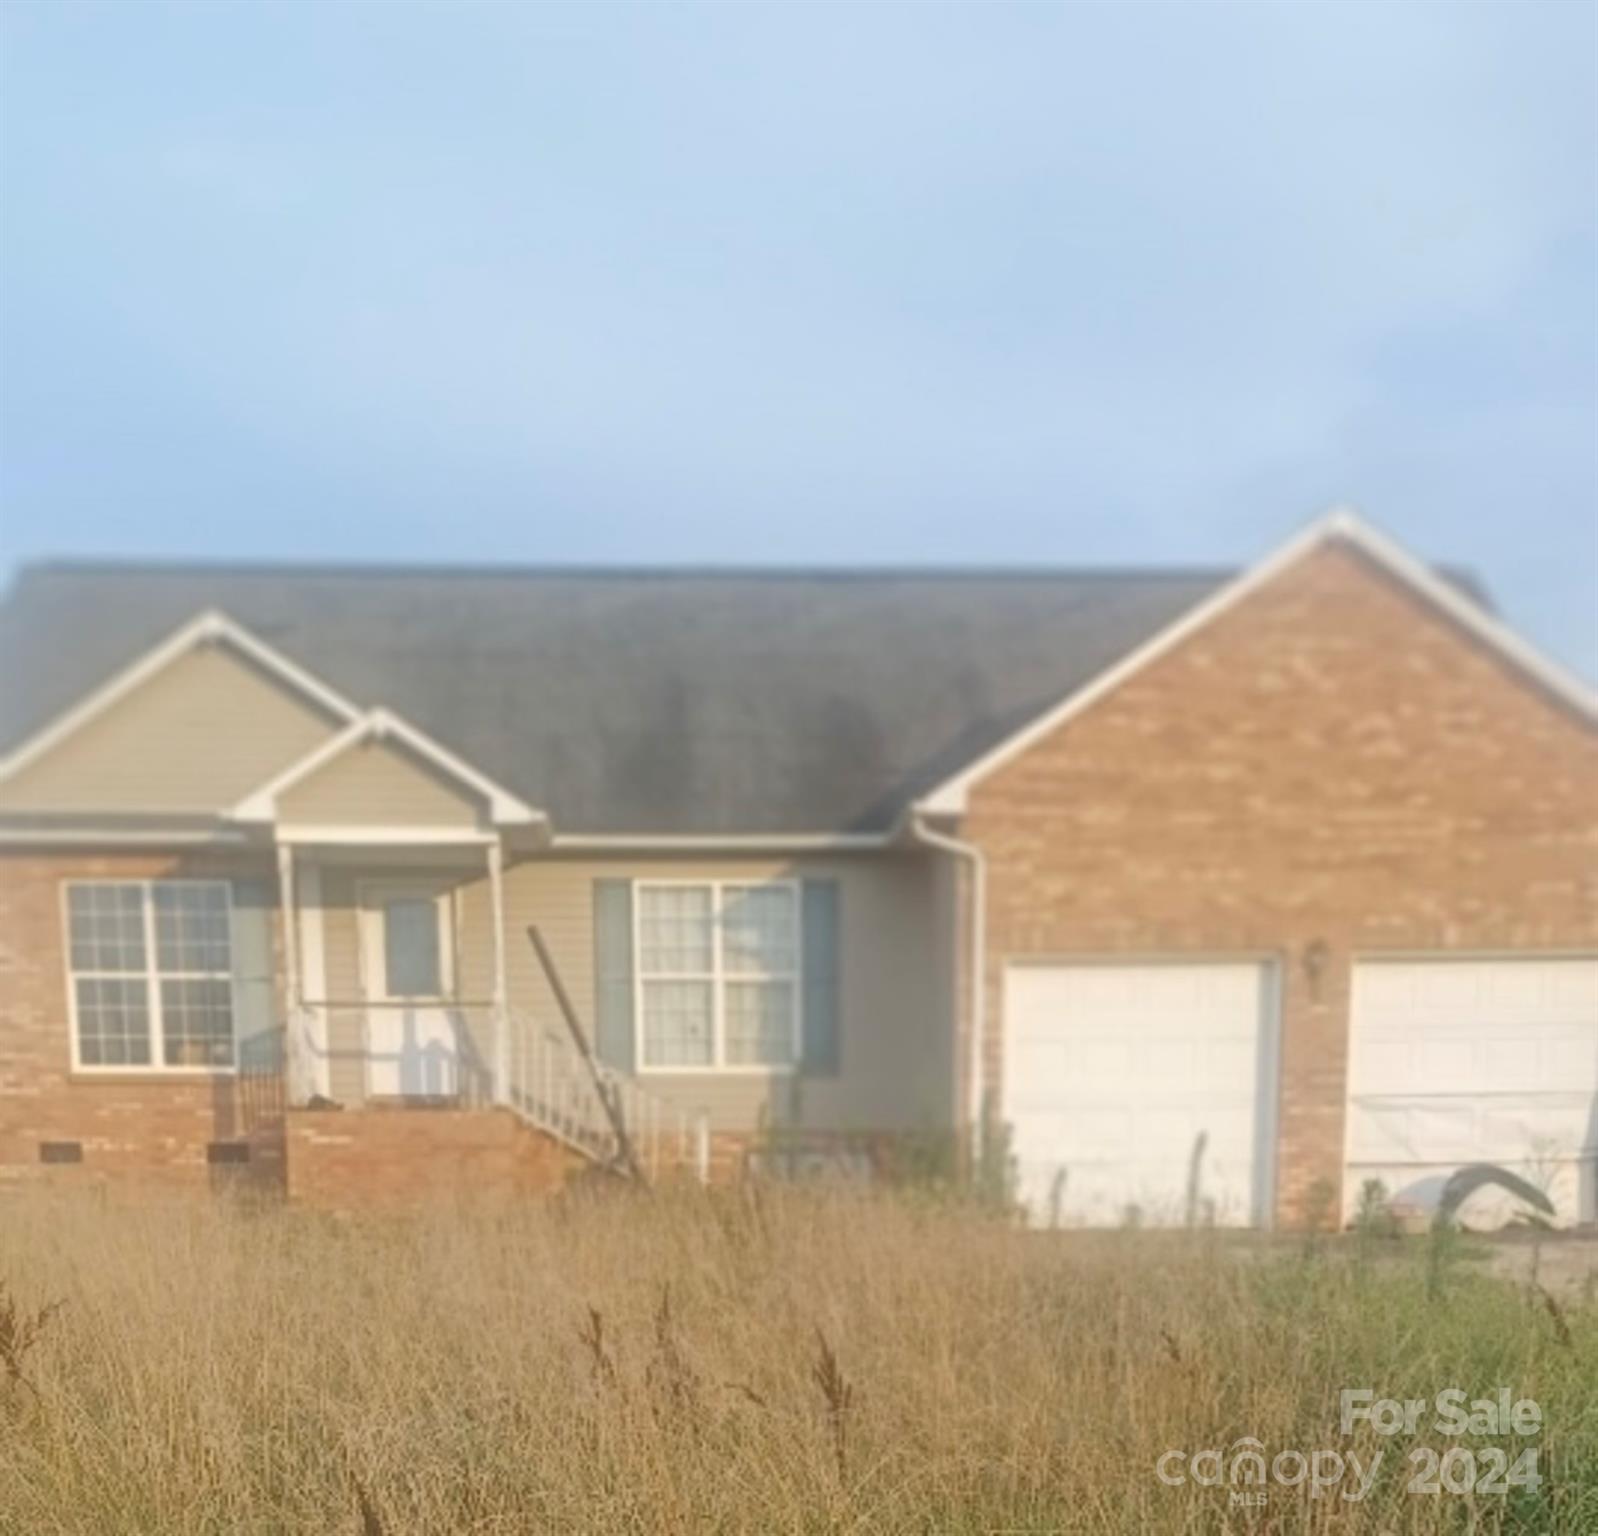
point(973, 857)
point(38, 837)
point(717, 842)
point(116, 829)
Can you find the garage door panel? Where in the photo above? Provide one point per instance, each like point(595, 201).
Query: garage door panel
point(1100, 1195)
point(1460, 1061)
point(1449, 1064)
point(1570, 1058)
point(1412, 1131)
point(1512, 1130)
point(1379, 1133)
point(1111, 1073)
point(1535, 1129)
point(1508, 990)
point(1094, 1058)
point(1087, 1134)
point(1224, 1064)
point(1049, 1058)
point(1531, 1058)
point(1517, 1066)
point(1161, 1139)
point(1382, 1061)
point(1446, 1131)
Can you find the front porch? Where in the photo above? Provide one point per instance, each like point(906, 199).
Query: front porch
point(406, 1064)
point(394, 961)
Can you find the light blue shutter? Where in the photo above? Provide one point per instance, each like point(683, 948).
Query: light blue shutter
point(822, 1048)
point(614, 1033)
point(257, 1040)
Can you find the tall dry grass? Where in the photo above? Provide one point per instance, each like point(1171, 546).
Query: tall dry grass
point(767, 1361)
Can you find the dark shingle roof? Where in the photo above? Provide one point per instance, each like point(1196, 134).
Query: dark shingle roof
point(636, 701)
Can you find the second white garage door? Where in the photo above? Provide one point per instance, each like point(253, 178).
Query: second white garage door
point(1475, 1061)
point(1112, 1072)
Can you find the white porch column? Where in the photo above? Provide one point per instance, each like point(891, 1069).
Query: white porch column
point(295, 1066)
point(312, 968)
point(496, 894)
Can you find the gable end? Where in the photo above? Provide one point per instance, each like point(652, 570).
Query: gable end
point(1341, 528)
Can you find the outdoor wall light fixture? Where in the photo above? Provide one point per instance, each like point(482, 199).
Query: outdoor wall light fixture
point(1316, 954)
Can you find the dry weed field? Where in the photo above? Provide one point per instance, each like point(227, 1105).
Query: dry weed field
point(761, 1360)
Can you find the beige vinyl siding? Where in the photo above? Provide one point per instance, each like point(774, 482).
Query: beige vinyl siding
point(346, 1024)
point(897, 970)
point(896, 978)
point(378, 784)
point(196, 737)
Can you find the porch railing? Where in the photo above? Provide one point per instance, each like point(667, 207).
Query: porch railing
point(508, 1057)
point(552, 1086)
point(360, 1051)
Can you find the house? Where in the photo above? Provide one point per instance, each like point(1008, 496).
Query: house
point(1204, 893)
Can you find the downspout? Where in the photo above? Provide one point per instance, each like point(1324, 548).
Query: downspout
point(973, 857)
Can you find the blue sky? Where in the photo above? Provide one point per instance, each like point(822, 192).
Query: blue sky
point(822, 284)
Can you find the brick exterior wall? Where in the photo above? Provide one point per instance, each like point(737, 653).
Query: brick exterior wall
point(141, 1130)
point(1328, 769)
point(346, 1160)
point(145, 1129)
point(138, 1126)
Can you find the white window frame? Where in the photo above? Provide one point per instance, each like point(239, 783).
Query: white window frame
point(372, 899)
point(152, 975)
point(718, 977)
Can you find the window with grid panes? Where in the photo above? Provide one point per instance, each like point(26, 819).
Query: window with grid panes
point(718, 975)
point(152, 973)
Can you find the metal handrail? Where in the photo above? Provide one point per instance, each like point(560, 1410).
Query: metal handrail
point(607, 1087)
point(603, 1115)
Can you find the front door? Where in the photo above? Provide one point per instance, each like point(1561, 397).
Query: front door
point(408, 977)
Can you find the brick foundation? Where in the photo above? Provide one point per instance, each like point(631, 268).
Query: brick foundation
point(388, 1157)
point(359, 1159)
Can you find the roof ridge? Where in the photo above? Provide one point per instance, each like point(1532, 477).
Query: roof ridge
point(135, 567)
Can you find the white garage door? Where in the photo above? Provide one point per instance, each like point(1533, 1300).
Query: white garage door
point(1112, 1073)
point(1472, 1061)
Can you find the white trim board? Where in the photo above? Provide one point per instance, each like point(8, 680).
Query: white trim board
point(1341, 525)
point(718, 842)
point(210, 627)
point(383, 836)
point(379, 725)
